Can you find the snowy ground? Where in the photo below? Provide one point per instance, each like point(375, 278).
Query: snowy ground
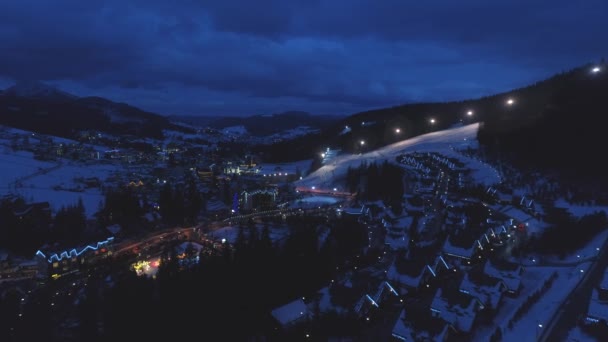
point(577, 335)
point(440, 141)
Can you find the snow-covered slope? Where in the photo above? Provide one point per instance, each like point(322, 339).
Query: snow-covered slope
point(442, 142)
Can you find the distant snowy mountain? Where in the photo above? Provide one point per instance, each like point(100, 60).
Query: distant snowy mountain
point(35, 89)
point(264, 125)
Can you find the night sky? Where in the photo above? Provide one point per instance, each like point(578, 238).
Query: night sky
point(266, 56)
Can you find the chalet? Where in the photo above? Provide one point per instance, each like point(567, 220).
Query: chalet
point(457, 308)
point(509, 273)
point(410, 273)
point(419, 327)
point(462, 251)
point(365, 306)
point(67, 261)
point(396, 232)
point(489, 290)
point(383, 293)
point(33, 211)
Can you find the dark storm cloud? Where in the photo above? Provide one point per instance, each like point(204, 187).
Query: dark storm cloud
point(244, 57)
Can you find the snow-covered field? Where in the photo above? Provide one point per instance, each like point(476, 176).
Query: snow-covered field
point(39, 181)
point(440, 141)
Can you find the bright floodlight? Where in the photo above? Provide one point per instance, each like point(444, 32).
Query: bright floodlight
point(469, 113)
point(322, 155)
point(432, 121)
point(510, 101)
point(595, 70)
point(362, 142)
point(397, 130)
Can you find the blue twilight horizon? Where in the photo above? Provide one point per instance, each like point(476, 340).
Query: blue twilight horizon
point(324, 57)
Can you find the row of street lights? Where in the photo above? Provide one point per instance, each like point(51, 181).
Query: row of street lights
point(508, 102)
point(511, 101)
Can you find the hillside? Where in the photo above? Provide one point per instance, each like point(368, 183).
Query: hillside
point(44, 109)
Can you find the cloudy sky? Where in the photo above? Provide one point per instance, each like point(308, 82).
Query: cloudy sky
point(322, 56)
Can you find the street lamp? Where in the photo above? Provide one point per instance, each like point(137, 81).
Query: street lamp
point(595, 70)
point(362, 142)
point(510, 101)
point(397, 130)
point(432, 121)
point(470, 113)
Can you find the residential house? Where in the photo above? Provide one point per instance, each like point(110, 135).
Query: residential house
point(418, 326)
point(457, 308)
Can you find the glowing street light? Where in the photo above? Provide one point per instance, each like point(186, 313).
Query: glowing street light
point(397, 130)
point(595, 70)
point(432, 121)
point(470, 113)
point(510, 102)
point(322, 155)
point(362, 142)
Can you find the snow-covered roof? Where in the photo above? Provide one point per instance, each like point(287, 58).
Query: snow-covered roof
point(290, 312)
point(461, 252)
point(489, 295)
point(459, 316)
point(511, 278)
